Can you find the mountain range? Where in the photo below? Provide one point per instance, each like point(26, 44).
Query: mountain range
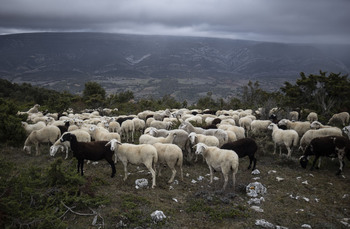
point(154, 66)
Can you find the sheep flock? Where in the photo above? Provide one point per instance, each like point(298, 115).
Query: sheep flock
point(171, 137)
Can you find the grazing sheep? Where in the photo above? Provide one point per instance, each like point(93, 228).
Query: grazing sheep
point(48, 134)
point(311, 134)
point(170, 155)
point(299, 127)
point(330, 146)
point(288, 138)
point(30, 127)
point(219, 160)
point(312, 116)
point(148, 139)
point(342, 118)
point(93, 151)
point(244, 147)
point(128, 130)
point(82, 136)
point(135, 154)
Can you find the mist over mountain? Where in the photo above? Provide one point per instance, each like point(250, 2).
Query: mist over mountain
point(152, 66)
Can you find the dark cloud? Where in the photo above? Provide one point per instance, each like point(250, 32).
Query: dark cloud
point(269, 20)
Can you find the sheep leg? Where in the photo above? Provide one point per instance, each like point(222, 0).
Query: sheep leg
point(81, 165)
point(149, 167)
point(173, 170)
point(289, 152)
point(37, 149)
point(181, 173)
point(211, 174)
point(110, 161)
point(226, 180)
point(159, 170)
point(314, 162)
point(341, 155)
point(274, 150)
point(125, 171)
point(66, 152)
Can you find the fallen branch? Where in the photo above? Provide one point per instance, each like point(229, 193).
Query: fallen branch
point(94, 213)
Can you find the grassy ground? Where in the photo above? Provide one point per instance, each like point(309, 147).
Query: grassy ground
point(193, 203)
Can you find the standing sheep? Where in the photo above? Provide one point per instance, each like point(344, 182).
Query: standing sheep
point(299, 127)
point(288, 138)
point(48, 134)
point(244, 147)
point(219, 160)
point(135, 154)
point(342, 118)
point(171, 155)
point(330, 146)
point(128, 130)
point(311, 134)
point(94, 151)
point(312, 116)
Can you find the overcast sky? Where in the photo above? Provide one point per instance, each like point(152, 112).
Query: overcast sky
point(299, 21)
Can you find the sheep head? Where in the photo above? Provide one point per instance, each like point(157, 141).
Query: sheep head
point(315, 125)
point(114, 144)
point(192, 136)
point(200, 148)
point(303, 161)
point(67, 137)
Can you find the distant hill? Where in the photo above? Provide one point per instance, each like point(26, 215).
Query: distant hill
point(185, 67)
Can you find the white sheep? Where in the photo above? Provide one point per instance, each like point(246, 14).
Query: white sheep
point(201, 138)
point(34, 109)
point(342, 117)
point(239, 131)
point(160, 124)
point(148, 139)
point(136, 154)
point(346, 131)
point(139, 125)
point(312, 116)
point(317, 125)
point(82, 136)
point(259, 126)
point(311, 134)
point(299, 127)
point(170, 155)
point(101, 134)
point(219, 159)
point(294, 115)
point(114, 126)
point(181, 139)
point(30, 127)
point(288, 138)
point(48, 134)
point(160, 115)
point(245, 122)
point(128, 130)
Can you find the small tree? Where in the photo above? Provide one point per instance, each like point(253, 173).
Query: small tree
point(94, 95)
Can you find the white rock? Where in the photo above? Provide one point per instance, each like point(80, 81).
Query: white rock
point(157, 216)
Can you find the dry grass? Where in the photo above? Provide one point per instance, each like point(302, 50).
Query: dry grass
point(322, 203)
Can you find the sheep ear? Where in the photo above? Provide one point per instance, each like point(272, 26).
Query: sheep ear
point(194, 146)
point(108, 143)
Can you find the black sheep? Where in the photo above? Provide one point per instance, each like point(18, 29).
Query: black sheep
point(93, 151)
point(243, 147)
point(329, 146)
point(64, 128)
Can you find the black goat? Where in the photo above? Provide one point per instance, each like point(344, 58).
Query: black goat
point(93, 151)
point(243, 147)
point(329, 146)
